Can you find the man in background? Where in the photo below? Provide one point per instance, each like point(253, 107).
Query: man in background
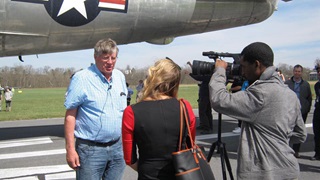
point(303, 92)
point(235, 87)
point(204, 107)
point(316, 118)
point(130, 92)
point(139, 87)
point(95, 101)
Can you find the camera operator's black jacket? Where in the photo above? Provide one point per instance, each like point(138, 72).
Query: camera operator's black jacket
point(204, 86)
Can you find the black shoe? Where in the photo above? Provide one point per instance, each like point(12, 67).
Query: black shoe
point(200, 128)
point(206, 131)
point(315, 158)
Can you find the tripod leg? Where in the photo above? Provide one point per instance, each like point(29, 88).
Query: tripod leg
point(213, 146)
point(227, 161)
point(223, 166)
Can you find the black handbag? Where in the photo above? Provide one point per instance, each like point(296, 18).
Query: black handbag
point(190, 163)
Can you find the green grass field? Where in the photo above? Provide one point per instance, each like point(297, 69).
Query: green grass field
point(48, 102)
point(35, 104)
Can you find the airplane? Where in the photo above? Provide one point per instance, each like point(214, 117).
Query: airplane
point(46, 26)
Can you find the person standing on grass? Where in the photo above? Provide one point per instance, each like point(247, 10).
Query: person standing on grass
point(8, 97)
point(95, 101)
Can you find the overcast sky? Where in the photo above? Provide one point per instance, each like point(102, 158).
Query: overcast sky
point(293, 32)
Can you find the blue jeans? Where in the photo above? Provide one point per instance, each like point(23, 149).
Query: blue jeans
point(100, 162)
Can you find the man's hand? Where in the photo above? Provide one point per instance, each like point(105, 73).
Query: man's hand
point(221, 63)
point(73, 159)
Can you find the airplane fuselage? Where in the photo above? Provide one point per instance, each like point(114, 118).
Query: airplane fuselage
point(45, 26)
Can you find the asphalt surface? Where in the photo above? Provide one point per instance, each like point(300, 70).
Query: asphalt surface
point(34, 149)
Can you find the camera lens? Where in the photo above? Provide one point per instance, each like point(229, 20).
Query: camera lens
point(202, 68)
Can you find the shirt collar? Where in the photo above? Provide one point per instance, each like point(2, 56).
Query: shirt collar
point(96, 70)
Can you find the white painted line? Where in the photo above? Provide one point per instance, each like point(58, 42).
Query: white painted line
point(27, 178)
point(25, 142)
point(59, 176)
point(32, 154)
point(33, 172)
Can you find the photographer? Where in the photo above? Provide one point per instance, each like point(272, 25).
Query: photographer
point(270, 114)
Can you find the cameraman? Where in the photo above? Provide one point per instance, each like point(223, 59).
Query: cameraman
point(270, 114)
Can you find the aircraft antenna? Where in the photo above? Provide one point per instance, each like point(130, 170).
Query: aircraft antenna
point(20, 58)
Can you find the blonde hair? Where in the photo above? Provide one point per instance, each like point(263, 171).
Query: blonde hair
point(163, 79)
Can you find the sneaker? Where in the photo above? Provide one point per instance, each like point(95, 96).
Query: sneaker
point(237, 130)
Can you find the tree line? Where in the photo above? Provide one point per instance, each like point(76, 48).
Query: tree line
point(20, 76)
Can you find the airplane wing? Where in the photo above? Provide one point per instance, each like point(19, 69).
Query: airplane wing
point(46, 26)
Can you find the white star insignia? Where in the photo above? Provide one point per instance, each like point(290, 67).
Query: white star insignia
point(76, 4)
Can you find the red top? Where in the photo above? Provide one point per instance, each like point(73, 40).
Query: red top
point(154, 127)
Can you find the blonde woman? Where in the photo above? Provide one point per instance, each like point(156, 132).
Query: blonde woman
point(153, 123)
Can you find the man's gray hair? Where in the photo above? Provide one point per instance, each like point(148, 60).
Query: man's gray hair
point(105, 46)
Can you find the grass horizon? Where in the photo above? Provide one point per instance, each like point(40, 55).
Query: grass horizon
point(43, 103)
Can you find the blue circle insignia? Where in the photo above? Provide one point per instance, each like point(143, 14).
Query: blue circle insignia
point(73, 13)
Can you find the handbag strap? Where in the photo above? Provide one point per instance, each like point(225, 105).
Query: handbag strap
point(184, 118)
point(181, 127)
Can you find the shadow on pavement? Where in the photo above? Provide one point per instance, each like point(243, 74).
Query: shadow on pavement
point(31, 131)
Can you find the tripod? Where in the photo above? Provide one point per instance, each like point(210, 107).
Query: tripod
point(221, 147)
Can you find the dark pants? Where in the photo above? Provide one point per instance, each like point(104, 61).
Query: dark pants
point(316, 131)
point(239, 123)
point(205, 113)
point(128, 101)
point(296, 147)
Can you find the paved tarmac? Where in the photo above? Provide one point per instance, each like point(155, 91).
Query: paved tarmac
point(34, 149)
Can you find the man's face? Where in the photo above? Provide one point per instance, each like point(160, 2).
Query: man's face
point(297, 73)
point(105, 63)
point(249, 71)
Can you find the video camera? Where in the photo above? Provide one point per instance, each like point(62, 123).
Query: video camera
point(207, 68)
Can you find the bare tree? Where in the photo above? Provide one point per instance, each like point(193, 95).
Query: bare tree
point(317, 62)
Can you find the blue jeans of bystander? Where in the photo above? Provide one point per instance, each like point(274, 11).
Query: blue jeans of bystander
point(100, 162)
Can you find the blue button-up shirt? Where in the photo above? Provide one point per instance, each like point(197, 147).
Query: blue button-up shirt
point(296, 88)
point(100, 104)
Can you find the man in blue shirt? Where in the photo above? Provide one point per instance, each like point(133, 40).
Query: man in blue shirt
point(95, 101)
